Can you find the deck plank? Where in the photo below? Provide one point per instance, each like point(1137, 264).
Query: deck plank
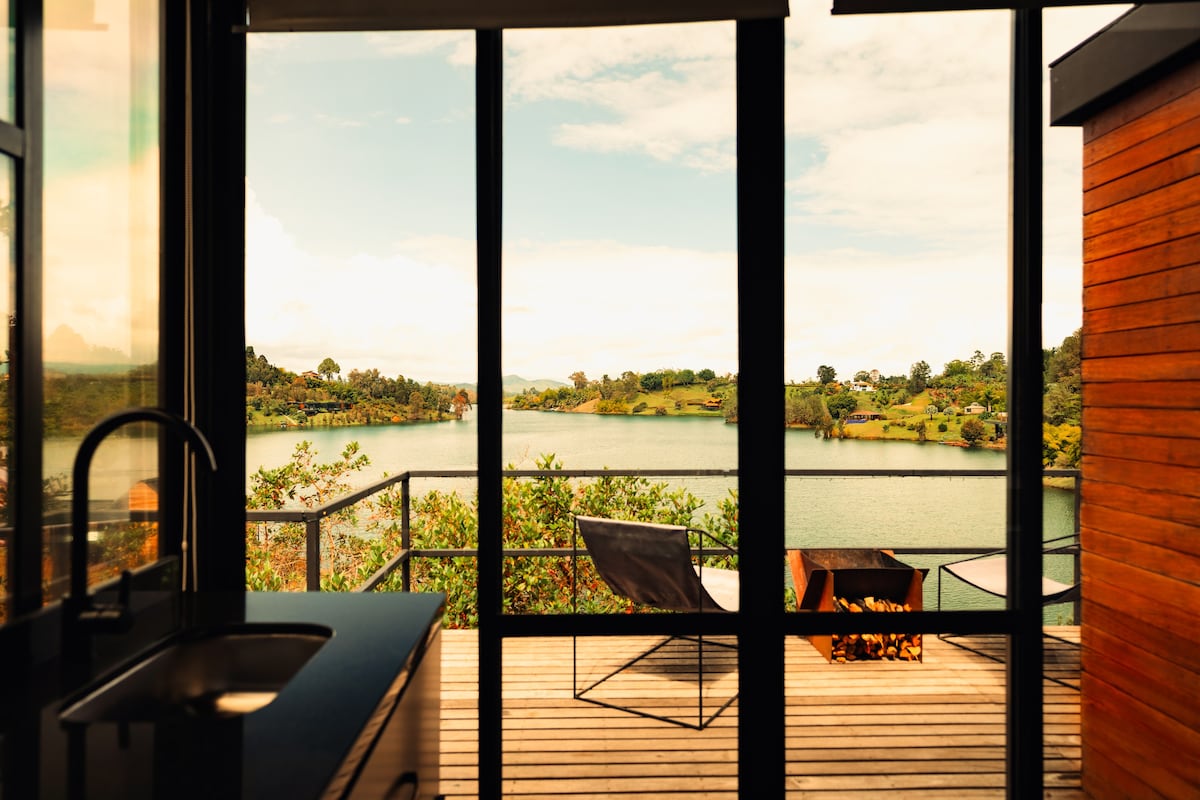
point(934, 729)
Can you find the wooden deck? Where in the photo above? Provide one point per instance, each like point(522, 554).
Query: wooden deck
point(869, 729)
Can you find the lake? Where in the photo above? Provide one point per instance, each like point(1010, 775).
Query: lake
point(820, 512)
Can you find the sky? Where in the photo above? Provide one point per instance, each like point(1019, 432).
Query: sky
point(619, 217)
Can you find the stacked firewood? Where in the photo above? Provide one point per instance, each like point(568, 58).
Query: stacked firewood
point(874, 646)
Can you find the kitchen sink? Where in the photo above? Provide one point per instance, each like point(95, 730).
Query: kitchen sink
point(211, 673)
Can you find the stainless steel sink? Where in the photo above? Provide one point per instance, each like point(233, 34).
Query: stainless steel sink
point(213, 673)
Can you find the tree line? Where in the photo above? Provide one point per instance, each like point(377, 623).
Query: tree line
point(359, 397)
point(620, 395)
point(824, 403)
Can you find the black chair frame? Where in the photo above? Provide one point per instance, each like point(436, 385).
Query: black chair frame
point(1053, 593)
point(703, 602)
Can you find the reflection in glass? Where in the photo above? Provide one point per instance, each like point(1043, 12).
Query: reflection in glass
point(100, 274)
point(8, 62)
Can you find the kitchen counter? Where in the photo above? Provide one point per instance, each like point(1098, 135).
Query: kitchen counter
point(313, 741)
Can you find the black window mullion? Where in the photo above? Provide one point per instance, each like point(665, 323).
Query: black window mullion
point(1024, 451)
point(26, 398)
point(488, 198)
point(760, 209)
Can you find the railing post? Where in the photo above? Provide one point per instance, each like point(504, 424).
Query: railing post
point(1079, 546)
point(405, 534)
point(312, 536)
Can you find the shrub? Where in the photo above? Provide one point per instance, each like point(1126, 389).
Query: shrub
point(538, 514)
point(973, 431)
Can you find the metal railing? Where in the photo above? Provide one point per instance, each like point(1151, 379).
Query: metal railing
point(311, 518)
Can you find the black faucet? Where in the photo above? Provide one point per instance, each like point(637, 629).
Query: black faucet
point(81, 614)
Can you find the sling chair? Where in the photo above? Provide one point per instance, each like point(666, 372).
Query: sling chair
point(988, 572)
point(652, 565)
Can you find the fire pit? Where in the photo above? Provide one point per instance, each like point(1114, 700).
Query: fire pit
point(854, 580)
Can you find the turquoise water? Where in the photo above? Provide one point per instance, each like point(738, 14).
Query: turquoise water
point(820, 512)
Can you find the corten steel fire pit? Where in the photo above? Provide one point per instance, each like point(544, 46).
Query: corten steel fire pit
point(851, 574)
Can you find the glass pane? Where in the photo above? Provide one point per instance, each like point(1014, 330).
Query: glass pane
point(360, 306)
point(101, 262)
point(897, 263)
point(8, 62)
point(620, 289)
point(8, 219)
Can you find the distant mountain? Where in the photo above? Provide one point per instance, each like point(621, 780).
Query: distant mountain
point(515, 384)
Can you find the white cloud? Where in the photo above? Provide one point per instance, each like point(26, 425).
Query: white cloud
point(411, 311)
point(459, 46)
point(607, 307)
point(668, 90)
point(857, 310)
point(906, 121)
point(100, 255)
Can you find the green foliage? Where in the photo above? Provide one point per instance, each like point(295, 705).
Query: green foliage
point(973, 431)
point(1061, 445)
point(652, 381)
point(806, 408)
point(826, 374)
point(276, 555)
point(842, 404)
point(918, 377)
point(613, 406)
point(328, 368)
point(537, 513)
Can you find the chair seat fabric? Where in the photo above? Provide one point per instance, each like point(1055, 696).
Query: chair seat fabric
point(991, 575)
point(651, 564)
point(722, 585)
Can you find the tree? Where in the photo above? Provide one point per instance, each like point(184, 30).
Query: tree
point(842, 404)
point(416, 404)
point(826, 374)
point(1061, 405)
point(461, 403)
point(918, 377)
point(973, 431)
point(1064, 360)
point(652, 381)
point(706, 375)
point(579, 379)
point(328, 368)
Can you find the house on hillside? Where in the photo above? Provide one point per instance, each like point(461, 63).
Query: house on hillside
point(974, 408)
point(861, 416)
point(861, 386)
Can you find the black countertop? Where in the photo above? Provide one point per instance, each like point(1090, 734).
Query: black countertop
point(291, 748)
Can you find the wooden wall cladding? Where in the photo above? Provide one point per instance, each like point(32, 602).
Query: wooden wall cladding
point(1141, 442)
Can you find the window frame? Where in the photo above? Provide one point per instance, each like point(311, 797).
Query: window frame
point(213, 128)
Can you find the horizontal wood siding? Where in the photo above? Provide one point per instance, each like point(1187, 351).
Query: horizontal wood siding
point(1140, 515)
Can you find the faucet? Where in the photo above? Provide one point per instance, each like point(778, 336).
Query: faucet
point(81, 614)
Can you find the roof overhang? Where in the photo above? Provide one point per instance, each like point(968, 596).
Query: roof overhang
point(264, 16)
point(1134, 50)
